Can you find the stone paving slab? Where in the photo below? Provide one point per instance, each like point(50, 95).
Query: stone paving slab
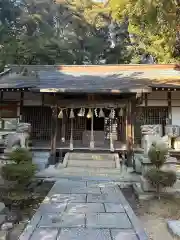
point(85, 207)
point(84, 234)
point(86, 190)
point(76, 190)
point(66, 186)
point(109, 189)
point(66, 198)
point(52, 207)
point(45, 234)
point(114, 207)
point(123, 234)
point(108, 220)
point(65, 220)
point(103, 198)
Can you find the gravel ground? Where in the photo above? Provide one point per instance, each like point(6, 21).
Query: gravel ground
point(27, 214)
point(154, 214)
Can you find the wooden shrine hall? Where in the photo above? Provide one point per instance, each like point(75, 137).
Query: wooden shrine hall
point(88, 107)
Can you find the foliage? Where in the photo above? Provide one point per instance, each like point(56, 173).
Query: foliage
point(158, 178)
point(161, 179)
point(157, 154)
point(152, 26)
point(21, 173)
point(17, 198)
point(76, 32)
point(21, 155)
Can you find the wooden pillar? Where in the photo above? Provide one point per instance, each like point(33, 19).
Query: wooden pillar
point(133, 115)
point(63, 128)
point(71, 138)
point(169, 107)
point(129, 133)
point(42, 99)
point(146, 99)
point(52, 159)
point(92, 130)
point(21, 106)
point(1, 100)
point(128, 120)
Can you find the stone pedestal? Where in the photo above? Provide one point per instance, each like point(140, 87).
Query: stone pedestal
point(137, 163)
point(145, 165)
point(146, 186)
point(170, 164)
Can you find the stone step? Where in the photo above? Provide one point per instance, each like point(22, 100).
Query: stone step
point(91, 163)
point(92, 156)
point(92, 170)
point(94, 174)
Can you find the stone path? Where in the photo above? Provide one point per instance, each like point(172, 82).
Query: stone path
point(84, 210)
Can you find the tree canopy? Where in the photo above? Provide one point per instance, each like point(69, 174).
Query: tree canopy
point(153, 24)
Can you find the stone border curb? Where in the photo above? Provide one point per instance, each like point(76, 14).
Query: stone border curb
point(29, 229)
point(175, 235)
point(141, 234)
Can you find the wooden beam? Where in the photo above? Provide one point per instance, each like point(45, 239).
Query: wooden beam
point(133, 115)
point(146, 99)
point(42, 99)
point(169, 107)
point(1, 100)
point(52, 158)
point(128, 120)
point(21, 105)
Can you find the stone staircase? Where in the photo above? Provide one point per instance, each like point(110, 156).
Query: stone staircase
point(94, 166)
point(92, 160)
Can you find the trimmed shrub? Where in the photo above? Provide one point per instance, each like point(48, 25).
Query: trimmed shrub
point(160, 179)
point(157, 178)
point(157, 154)
point(21, 155)
point(21, 173)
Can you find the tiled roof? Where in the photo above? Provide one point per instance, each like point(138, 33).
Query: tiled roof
point(102, 78)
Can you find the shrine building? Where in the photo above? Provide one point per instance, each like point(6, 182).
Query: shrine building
point(88, 107)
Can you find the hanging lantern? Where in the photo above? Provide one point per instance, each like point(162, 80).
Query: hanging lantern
point(95, 112)
point(112, 114)
point(81, 112)
point(101, 113)
point(71, 115)
point(121, 112)
point(60, 115)
point(89, 115)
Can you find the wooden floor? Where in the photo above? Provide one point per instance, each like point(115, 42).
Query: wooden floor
point(78, 145)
